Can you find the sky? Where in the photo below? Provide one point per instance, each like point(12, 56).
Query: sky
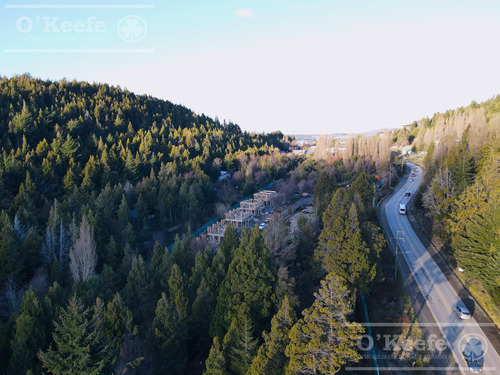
point(315, 66)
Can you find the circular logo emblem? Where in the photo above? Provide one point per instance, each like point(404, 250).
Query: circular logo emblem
point(473, 343)
point(132, 29)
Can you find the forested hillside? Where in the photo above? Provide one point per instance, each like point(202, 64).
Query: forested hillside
point(461, 191)
point(94, 184)
point(134, 165)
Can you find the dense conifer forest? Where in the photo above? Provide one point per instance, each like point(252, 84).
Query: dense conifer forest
point(96, 182)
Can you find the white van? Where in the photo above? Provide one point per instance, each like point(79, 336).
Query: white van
point(402, 209)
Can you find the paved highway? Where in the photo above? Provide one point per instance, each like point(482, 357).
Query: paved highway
point(439, 295)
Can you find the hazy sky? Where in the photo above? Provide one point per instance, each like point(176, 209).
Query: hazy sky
point(298, 66)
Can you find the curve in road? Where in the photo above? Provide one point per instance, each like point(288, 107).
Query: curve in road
point(440, 297)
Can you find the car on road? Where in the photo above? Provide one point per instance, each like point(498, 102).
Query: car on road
point(474, 364)
point(262, 225)
point(462, 312)
point(474, 355)
point(407, 194)
point(411, 180)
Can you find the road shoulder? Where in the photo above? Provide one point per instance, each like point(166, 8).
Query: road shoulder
point(487, 326)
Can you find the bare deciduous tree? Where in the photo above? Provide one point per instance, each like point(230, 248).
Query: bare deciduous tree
point(439, 192)
point(323, 147)
point(55, 245)
point(83, 256)
point(21, 230)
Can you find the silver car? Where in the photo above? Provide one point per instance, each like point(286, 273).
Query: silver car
point(462, 312)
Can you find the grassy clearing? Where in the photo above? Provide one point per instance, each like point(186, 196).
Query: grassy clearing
point(482, 297)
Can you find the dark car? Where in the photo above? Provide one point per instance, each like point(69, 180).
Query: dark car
point(407, 194)
point(474, 355)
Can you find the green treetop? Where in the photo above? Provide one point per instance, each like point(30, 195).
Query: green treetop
point(324, 340)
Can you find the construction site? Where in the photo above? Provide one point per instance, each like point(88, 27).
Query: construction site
point(248, 213)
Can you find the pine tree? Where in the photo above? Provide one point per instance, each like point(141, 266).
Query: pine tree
point(363, 186)
point(285, 288)
point(341, 247)
point(323, 190)
point(54, 301)
point(305, 239)
point(216, 362)
point(239, 344)
point(334, 232)
point(79, 346)
point(124, 211)
point(112, 257)
point(9, 247)
point(29, 335)
point(475, 228)
point(178, 292)
point(324, 340)
point(202, 313)
point(169, 335)
point(69, 181)
point(215, 274)
point(156, 258)
point(249, 280)
point(228, 246)
point(138, 287)
point(271, 359)
point(461, 164)
point(117, 320)
point(202, 262)
point(181, 252)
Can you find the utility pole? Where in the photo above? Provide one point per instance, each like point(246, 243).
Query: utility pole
point(396, 263)
point(374, 203)
point(390, 174)
point(396, 254)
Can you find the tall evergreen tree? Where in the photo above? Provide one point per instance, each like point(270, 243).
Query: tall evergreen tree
point(324, 340)
point(323, 190)
point(178, 292)
point(215, 274)
point(363, 186)
point(271, 359)
point(29, 335)
point(249, 280)
point(117, 321)
point(169, 336)
point(475, 229)
point(341, 247)
point(461, 164)
point(202, 313)
point(138, 287)
point(216, 361)
point(239, 344)
point(228, 246)
point(79, 347)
